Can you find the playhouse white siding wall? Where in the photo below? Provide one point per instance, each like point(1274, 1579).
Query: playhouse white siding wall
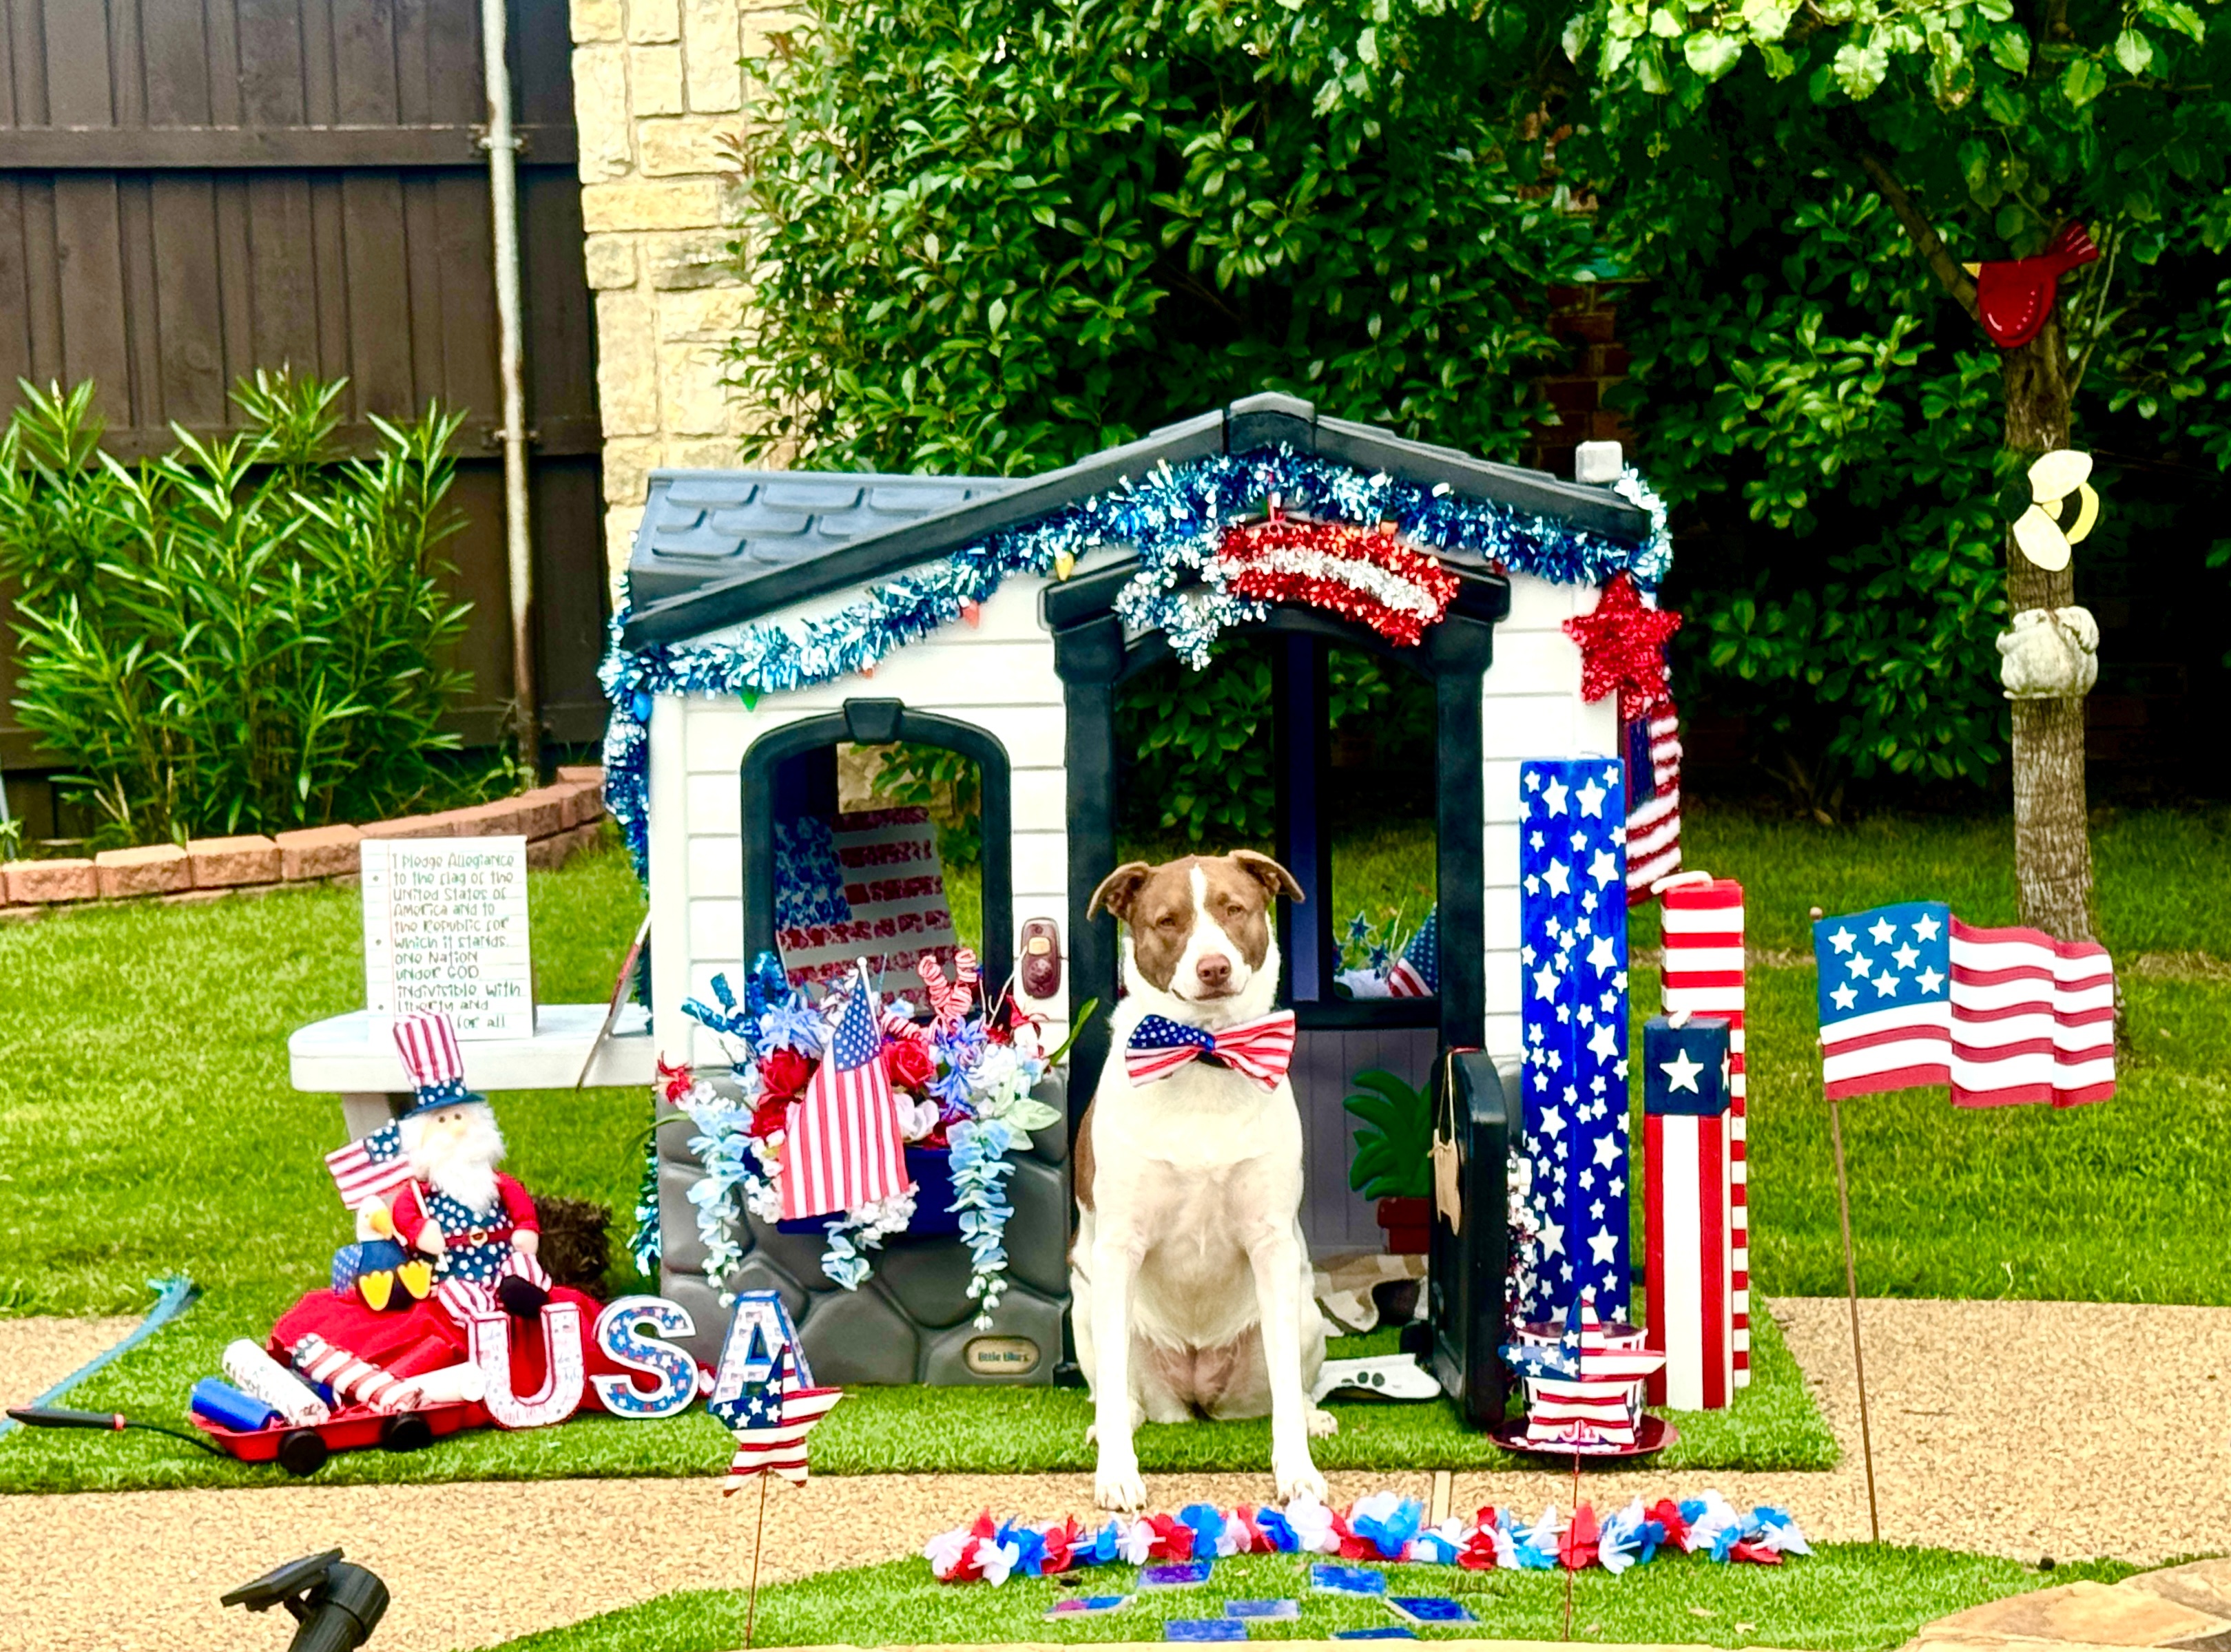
point(1532, 708)
point(999, 676)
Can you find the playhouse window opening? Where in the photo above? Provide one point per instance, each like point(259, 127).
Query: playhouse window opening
point(878, 851)
point(1380, 803)
point(1316, 752)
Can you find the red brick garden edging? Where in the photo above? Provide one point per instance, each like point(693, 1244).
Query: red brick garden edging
point(556, 820)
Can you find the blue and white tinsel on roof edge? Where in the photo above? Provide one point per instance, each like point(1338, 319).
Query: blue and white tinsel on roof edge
point(1171, 518)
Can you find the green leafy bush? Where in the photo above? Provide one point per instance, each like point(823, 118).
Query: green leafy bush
point(238, 636)
point(1849, 582)
point(999, 235)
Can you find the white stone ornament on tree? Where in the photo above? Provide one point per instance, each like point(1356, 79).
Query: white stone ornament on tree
point(2049, 655)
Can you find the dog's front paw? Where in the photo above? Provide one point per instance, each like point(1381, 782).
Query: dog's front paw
point(1296, 1476)
point(1116, 1485)
point(1322, 1422)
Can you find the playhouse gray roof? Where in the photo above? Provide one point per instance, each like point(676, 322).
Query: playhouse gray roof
point(718, 547)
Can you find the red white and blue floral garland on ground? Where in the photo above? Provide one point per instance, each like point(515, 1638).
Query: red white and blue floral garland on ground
point(1383, 1527)
point(1175, 519)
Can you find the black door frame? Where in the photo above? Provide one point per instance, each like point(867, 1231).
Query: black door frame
point(1093, 655)
point(880, 722)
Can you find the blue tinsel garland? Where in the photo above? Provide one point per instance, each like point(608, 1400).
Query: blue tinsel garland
point(1171, 518)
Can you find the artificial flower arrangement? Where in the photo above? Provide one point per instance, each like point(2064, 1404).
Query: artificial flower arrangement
point(1384, 1527)
point(958, 1086)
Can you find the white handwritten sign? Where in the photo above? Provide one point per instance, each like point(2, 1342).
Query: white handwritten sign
point(445, 928)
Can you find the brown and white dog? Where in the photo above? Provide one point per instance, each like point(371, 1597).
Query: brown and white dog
point(1190, 1279)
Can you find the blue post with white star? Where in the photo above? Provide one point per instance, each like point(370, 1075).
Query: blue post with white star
point(1572, 864)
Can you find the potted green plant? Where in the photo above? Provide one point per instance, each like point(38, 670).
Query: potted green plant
point(1394, 1157)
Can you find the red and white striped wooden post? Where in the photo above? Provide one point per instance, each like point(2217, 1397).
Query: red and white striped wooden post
point(1703, 976)
point(1686, 1212)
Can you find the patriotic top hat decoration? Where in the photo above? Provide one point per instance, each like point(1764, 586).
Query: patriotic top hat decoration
point(427, 1041)
point(1584, 1387)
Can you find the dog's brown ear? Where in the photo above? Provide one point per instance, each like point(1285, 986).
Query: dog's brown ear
point(1119, 890)
point(1274, 878)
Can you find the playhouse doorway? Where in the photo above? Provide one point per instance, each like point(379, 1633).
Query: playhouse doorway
point(1317, 749)
point(878, 832)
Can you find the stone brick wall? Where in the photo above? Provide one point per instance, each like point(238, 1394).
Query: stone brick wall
point(558, 821)
point(659, 95)
point(1586, 318)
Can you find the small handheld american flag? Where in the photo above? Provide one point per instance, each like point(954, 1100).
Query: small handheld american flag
point(371, 1167)
point(844, 1147)
point(1417, 973)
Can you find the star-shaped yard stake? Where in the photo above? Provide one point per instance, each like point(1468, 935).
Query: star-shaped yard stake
point(1623, 647)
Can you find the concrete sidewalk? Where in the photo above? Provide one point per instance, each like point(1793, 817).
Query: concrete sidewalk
point(2009, 1427)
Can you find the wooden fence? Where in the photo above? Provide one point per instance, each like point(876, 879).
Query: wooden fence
point(193, 189)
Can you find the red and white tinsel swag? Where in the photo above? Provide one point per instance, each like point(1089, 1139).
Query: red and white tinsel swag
point(1367, 575)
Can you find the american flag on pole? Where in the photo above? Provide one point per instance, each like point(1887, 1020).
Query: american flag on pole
point(371, 1167)
point(1653, 798)
point(1911, 996)
point(843, 1147)
point(1704, 933)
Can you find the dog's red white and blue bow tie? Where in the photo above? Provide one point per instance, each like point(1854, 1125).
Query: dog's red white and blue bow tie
point(1262, 1049)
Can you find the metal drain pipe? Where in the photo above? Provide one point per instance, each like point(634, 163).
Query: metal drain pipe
point(503, 145)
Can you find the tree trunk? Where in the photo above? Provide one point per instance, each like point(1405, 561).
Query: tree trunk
point(2052, 842)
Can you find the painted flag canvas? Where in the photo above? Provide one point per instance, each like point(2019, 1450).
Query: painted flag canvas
point(866, 884)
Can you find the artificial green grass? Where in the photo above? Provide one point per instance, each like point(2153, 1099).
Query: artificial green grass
point(1845, 1597)
point(876, 1430)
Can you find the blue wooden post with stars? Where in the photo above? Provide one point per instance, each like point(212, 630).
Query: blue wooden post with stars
point(1572, 863)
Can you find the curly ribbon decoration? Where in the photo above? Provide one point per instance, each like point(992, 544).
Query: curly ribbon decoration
point(948, 1000)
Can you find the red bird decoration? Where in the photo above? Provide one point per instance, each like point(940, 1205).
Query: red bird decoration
point(2014, 295)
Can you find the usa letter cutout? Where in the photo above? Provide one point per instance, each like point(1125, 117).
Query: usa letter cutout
point(621, 1335)
point(759, 1335)
point(488, 1335)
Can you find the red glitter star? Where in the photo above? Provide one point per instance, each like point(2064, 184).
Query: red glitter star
point(1623, 647)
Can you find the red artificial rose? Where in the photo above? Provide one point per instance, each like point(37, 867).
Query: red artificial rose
point(908, 1064)
point(783, 1074)
point(769, 1117)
